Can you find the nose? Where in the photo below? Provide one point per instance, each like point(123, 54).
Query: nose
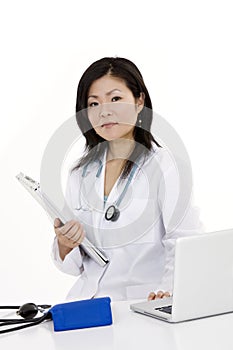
point(105, 110)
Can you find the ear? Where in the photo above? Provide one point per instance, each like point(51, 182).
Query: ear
point(140, 102)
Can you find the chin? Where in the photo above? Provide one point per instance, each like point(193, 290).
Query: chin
point(110, 136)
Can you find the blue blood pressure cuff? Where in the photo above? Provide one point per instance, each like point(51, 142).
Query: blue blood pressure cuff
point(82, 314)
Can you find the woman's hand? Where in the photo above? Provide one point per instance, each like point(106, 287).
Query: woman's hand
point(69, 236)
point(160, 294)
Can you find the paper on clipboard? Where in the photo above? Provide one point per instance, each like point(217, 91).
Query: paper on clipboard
point(33, 187)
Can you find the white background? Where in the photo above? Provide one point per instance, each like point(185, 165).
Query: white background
point(184, 51)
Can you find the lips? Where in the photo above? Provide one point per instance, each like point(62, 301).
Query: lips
point(108, 125)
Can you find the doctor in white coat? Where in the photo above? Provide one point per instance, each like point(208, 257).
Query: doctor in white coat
point(123, 193)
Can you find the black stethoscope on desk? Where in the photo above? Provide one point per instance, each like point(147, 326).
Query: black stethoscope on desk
point(112, 213)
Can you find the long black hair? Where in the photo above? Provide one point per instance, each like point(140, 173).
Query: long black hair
point(95, 145)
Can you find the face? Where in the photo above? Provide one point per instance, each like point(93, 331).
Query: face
point(112, 108)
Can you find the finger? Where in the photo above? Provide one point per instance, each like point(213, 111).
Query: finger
point(65, 229)
point(151, 296)
point(57, 223)
point(166, 295)
point(67, 242)
point(73, 238)
point(75, 232)
point(64, 241)
point(76, 243)
point(79, 237)
point(68, 226)
point(159, 294)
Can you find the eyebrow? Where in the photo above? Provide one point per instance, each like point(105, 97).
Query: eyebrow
point(107, 93)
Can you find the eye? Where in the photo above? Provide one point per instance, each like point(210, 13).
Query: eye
point(116, 98)
point(93, 104)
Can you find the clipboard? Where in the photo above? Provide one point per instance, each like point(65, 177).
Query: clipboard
point(33, 187)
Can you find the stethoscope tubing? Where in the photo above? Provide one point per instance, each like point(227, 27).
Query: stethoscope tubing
point(114, 206)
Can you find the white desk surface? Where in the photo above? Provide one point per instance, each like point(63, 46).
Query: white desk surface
point(129, 331)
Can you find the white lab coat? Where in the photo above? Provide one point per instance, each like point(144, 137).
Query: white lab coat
point(139, 244)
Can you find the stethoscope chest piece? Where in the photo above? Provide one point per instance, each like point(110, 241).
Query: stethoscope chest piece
point(112, 213)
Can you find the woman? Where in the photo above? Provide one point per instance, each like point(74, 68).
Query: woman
point(122, 192)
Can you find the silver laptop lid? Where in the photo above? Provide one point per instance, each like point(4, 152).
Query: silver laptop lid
point(203, 276)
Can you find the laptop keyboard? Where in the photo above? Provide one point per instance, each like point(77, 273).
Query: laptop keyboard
point(167, 309)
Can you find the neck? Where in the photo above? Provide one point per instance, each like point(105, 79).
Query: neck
point(120, 149)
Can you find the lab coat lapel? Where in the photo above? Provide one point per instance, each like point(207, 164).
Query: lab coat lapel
point(98, 211)
point(93, 195)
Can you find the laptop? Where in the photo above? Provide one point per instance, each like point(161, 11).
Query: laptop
point(203, 280)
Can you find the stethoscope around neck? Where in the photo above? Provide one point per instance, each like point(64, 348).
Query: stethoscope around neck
point(112, 213)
